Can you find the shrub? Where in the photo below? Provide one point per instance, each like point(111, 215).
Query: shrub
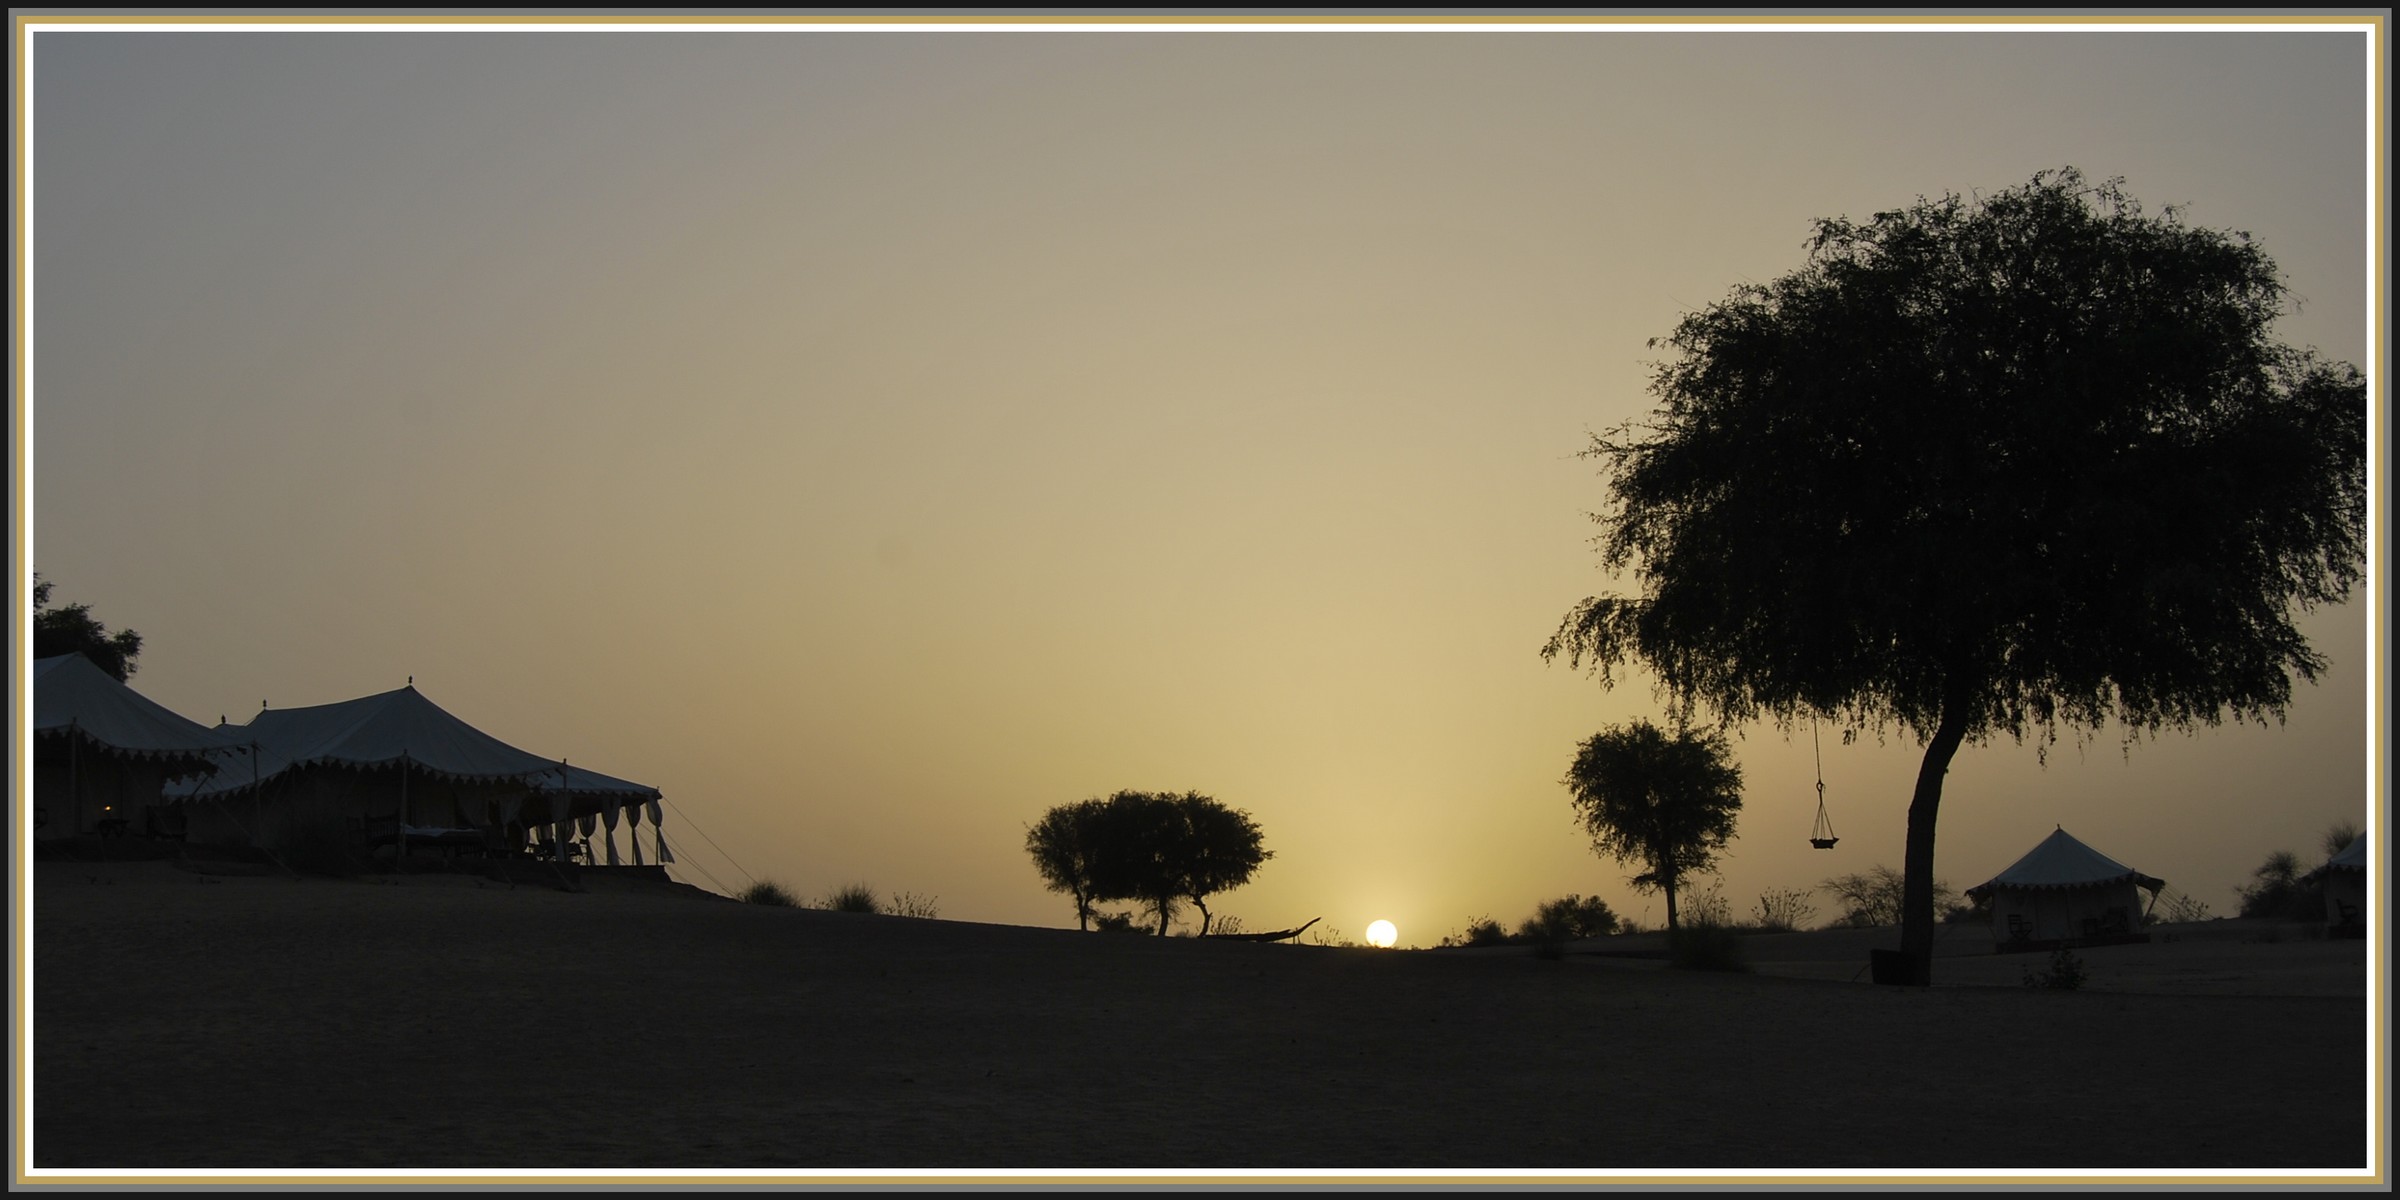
point(854, 898)
point(1700, 947)
point(1226, 925)
point(1871, 897)
point(1482, 931)
point(1783, 910)
point(1568, 918)
point(2065, 973)
point(1709, 909)
point(768, 893)
point(1116, 922)
point(910, 904)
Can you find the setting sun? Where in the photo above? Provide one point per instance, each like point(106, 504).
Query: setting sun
point(1382, 934)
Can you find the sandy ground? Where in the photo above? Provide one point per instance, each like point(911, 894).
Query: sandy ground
point(193, 1021)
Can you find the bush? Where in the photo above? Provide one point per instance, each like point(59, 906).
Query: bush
point(1708, 909)
point(1871, 898)
point(2065, 973)
point(854, 898)
point(1567, 919)
point(910, 904)
point(1116, 922)
point(1482, 931)
point(1705, 947)
point(768, 893)
point(1783, 910)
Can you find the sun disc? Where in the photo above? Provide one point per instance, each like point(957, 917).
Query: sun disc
point(1382, 934)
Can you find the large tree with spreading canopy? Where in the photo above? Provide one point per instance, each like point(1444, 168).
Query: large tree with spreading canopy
point(1159, 849)
point(1983, 467)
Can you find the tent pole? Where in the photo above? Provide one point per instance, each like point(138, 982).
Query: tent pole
point(400, 837)
point(74, 772)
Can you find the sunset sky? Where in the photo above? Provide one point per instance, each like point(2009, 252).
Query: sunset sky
point(872, 439)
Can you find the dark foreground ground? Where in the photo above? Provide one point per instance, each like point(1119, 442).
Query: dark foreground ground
point(190, 1021)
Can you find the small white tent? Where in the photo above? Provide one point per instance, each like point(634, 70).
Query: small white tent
point(103, 752)
point(2344, 879)
point(2064, 892)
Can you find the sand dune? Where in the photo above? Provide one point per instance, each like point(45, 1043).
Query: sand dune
point(190, 1021)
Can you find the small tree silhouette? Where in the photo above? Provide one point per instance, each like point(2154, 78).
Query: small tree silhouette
point(1666, 802)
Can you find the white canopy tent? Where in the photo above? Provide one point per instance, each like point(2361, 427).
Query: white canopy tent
point(2064, 891)
point(104, 753)
point(398, 761)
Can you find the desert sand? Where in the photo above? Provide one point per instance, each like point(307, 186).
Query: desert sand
point(420, 1022)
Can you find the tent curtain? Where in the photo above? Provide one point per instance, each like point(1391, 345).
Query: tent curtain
point(633, 831)
point(560, 806)
point(664, 856)
point(608, 819)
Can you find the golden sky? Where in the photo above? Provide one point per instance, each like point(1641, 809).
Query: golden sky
point(872, 439)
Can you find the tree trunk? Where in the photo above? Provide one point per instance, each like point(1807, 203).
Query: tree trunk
point(1203, 915)
point(1916, 889)
point(1083, 913)
point(1668, 882)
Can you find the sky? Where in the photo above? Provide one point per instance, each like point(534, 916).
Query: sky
point(874, 439)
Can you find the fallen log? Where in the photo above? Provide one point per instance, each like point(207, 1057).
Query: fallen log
point(1277, 936)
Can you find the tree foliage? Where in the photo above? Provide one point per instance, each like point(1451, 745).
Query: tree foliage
point(1156, 849)
point(72, 629)
point(1066, 849)
point(1664, 801)
point(1985, 467)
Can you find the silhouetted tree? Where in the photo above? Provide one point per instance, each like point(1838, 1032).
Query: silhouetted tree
point(1219, 849)
point(2338, 836)
point(2276, 890)
point(1156, 849)
point(1985, 467)
point(73, 630)
point(1066, 849)
point(1666, 802)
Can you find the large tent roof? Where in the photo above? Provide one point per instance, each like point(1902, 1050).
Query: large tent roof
point(386, 729)
point(2060, 861)
point(72, 695)
point(390, 727)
